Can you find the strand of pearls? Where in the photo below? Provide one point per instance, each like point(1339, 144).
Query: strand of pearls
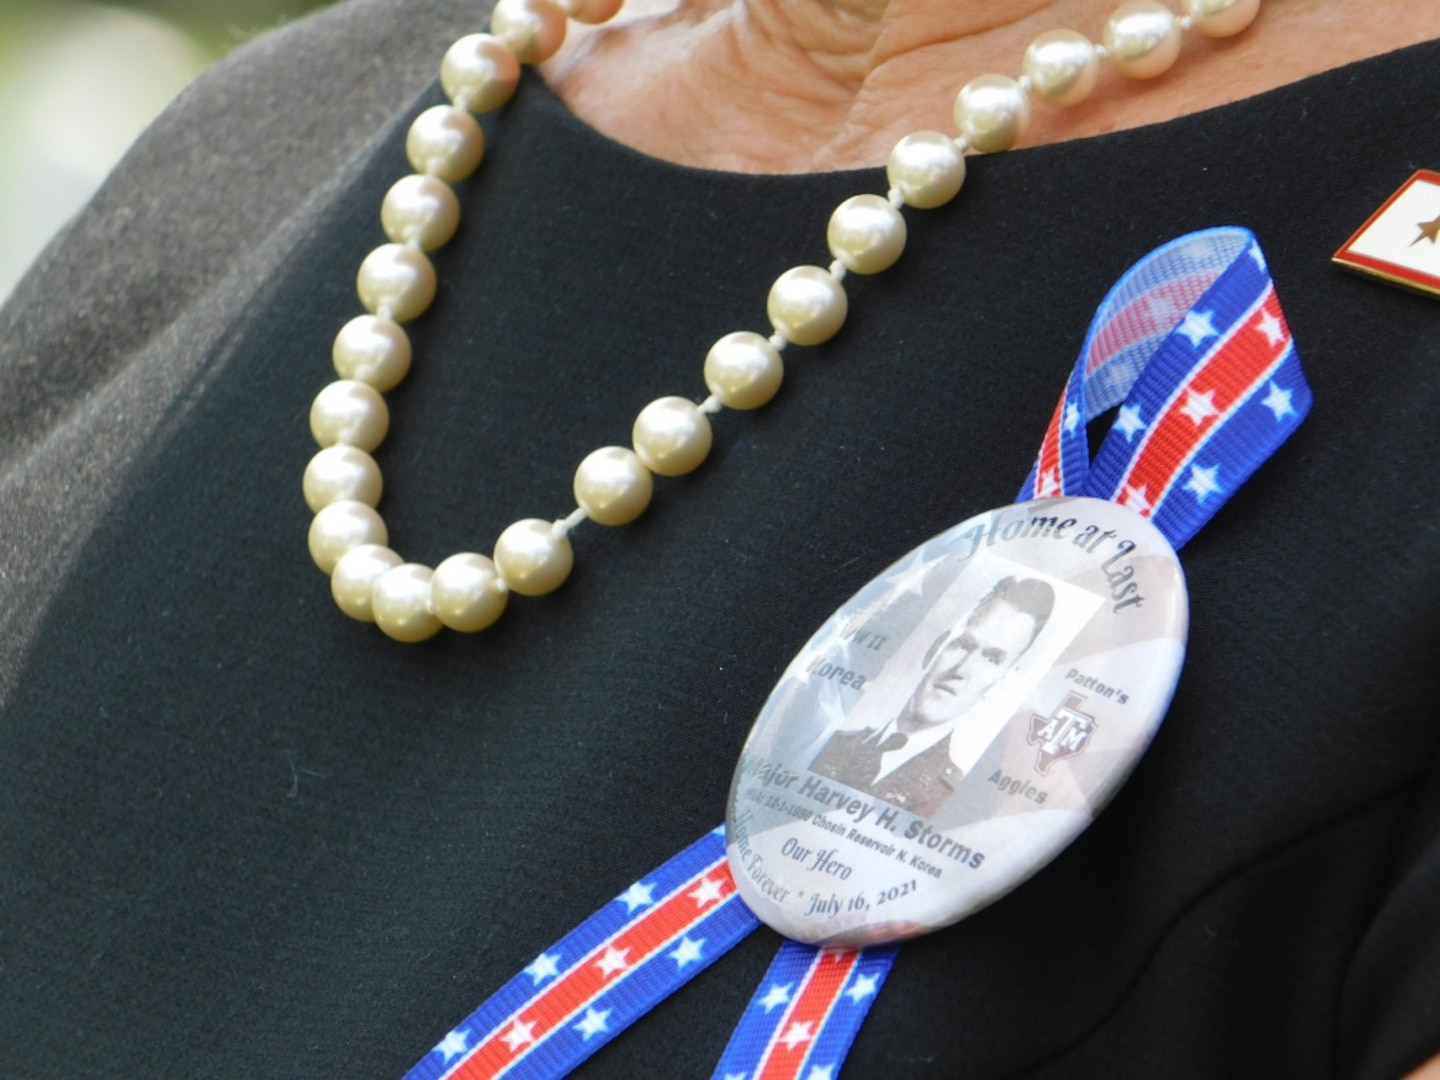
point(671, 436)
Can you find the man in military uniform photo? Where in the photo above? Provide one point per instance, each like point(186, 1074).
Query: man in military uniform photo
point(907, 762)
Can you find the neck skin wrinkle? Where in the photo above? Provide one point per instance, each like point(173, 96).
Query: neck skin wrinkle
point(791, 86)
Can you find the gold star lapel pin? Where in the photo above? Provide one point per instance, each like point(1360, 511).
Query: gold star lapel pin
point(1400, 243)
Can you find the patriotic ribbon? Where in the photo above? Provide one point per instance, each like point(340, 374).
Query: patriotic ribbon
point(806, 1013)
point(597, 980)
point(1192, 347)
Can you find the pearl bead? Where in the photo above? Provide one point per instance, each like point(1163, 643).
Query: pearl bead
point(372, 350)
point(534, 29)
point(992, 112)
point(532, 559)
point(807, 305)
point(743, 370)
point(866, 234)
point(1222, 18)
point(467, 593)
point(446, 143)
point(672, 436)
point(349, 413)
point(420, 210)
point(593, 11)
point(353, 581)
point(1142, 38)
point(340, 474)
point(399, 278)
point(613, 486)
point(342, 526)
point(927, 168)
point(483, 69)
point(1062, 67)
point(401, 603)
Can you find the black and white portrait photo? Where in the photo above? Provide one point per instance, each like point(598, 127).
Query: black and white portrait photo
point(907, 761)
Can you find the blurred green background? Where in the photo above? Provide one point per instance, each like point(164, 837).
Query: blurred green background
point(80, 79)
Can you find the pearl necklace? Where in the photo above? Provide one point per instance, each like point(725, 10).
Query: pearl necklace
point(671, 436)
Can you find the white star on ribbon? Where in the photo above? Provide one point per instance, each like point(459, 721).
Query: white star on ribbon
point(820, 1072)
point(636, 896)
point(1202, 482)
point(1271, 327)
point(1136, 500)
point(687, 952)
point(1199, 407)
point(1049, 484)
point(593, 1023)
point(454, 1044)
point(1198, 326)
point(776, 995)
point(518, 1035)
point(545, 966)
point(1072, 418)
point(613, 961)
point(1258, 256)
point(1128, 422)
point(1278, 402)
point(797, 1034)
point(862, 987)
point(709, 891)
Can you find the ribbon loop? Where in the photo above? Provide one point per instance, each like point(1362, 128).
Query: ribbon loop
point(1193, 348)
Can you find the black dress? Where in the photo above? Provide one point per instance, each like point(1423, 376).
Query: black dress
point(242, 835)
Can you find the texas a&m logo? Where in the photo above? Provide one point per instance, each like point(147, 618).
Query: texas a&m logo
point(1062, 734)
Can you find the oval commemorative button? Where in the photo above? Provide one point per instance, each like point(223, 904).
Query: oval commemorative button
point(956, 723)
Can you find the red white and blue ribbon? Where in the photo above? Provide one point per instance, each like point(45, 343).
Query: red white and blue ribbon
point(806, 1013)
point(1192, 347)
point(584, 990)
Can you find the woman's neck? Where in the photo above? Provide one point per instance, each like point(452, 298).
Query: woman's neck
point(809, 85)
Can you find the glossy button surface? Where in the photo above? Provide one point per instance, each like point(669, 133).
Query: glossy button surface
point(958, 722)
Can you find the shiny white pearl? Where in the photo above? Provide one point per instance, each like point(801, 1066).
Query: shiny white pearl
point(672, 436)
point(401, 603)
point(866, 234)
point(743, 370)
point(467, 592)
point(613, 486)
point(927, 168)
point(342, 526)
point(482, 69)
point(420, 210)
point(992, 112)
point(593, 11)
point(1062, 67)
point(399, 278)
point(446, 143)
point(341, 473)
point(807, 305)
point(372, 350)
point(349, 413)
point(1221, 18)
point(1142, 39)
point(353, 581)
point(532, 559)
point(534, 29)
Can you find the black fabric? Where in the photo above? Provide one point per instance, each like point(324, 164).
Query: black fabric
point(245, 836)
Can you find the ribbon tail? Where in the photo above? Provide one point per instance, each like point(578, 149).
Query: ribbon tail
point(805, 1013)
